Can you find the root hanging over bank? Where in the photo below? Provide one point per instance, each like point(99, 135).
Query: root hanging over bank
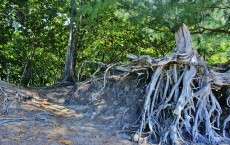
point(180, 106)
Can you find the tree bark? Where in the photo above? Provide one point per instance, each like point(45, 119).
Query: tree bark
point(70, 53)
point(73, 44)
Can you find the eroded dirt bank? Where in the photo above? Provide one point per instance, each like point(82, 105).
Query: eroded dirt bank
point(85, 116)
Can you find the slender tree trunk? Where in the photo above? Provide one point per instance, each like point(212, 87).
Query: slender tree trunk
point(69, 65)
point(26, 75)
point(8, 72)
point(73, 44)
point(76, 42)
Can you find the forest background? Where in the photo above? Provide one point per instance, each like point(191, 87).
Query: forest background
point(43, 42)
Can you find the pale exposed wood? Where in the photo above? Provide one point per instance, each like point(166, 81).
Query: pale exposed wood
point(188, 97)
point(221, 79)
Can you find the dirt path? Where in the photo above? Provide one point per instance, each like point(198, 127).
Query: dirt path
point(52, 130)
point(49, 122)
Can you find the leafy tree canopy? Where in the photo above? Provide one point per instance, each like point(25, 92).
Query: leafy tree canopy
point(34, 33)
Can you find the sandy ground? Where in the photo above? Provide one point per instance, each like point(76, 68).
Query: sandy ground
point(45, 129)
point(48, 122)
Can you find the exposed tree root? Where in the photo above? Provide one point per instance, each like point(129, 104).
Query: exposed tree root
point(8, 102)
point(179, 103)
point(180, 107)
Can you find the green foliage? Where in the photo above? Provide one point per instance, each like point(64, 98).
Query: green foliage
point(32, 30)
point(208, 21)
point(109, 30)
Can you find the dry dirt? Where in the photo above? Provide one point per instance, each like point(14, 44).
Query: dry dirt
point(55, 116)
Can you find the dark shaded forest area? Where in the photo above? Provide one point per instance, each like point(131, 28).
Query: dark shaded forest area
point(115, 72)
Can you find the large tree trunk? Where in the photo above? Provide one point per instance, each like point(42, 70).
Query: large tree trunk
point(180, 105)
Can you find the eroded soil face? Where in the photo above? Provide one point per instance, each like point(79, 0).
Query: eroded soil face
point(54, 116)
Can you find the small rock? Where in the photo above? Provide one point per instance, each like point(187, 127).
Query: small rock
point(135, 137)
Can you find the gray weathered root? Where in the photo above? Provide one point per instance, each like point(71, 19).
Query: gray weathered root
point(180, 106)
